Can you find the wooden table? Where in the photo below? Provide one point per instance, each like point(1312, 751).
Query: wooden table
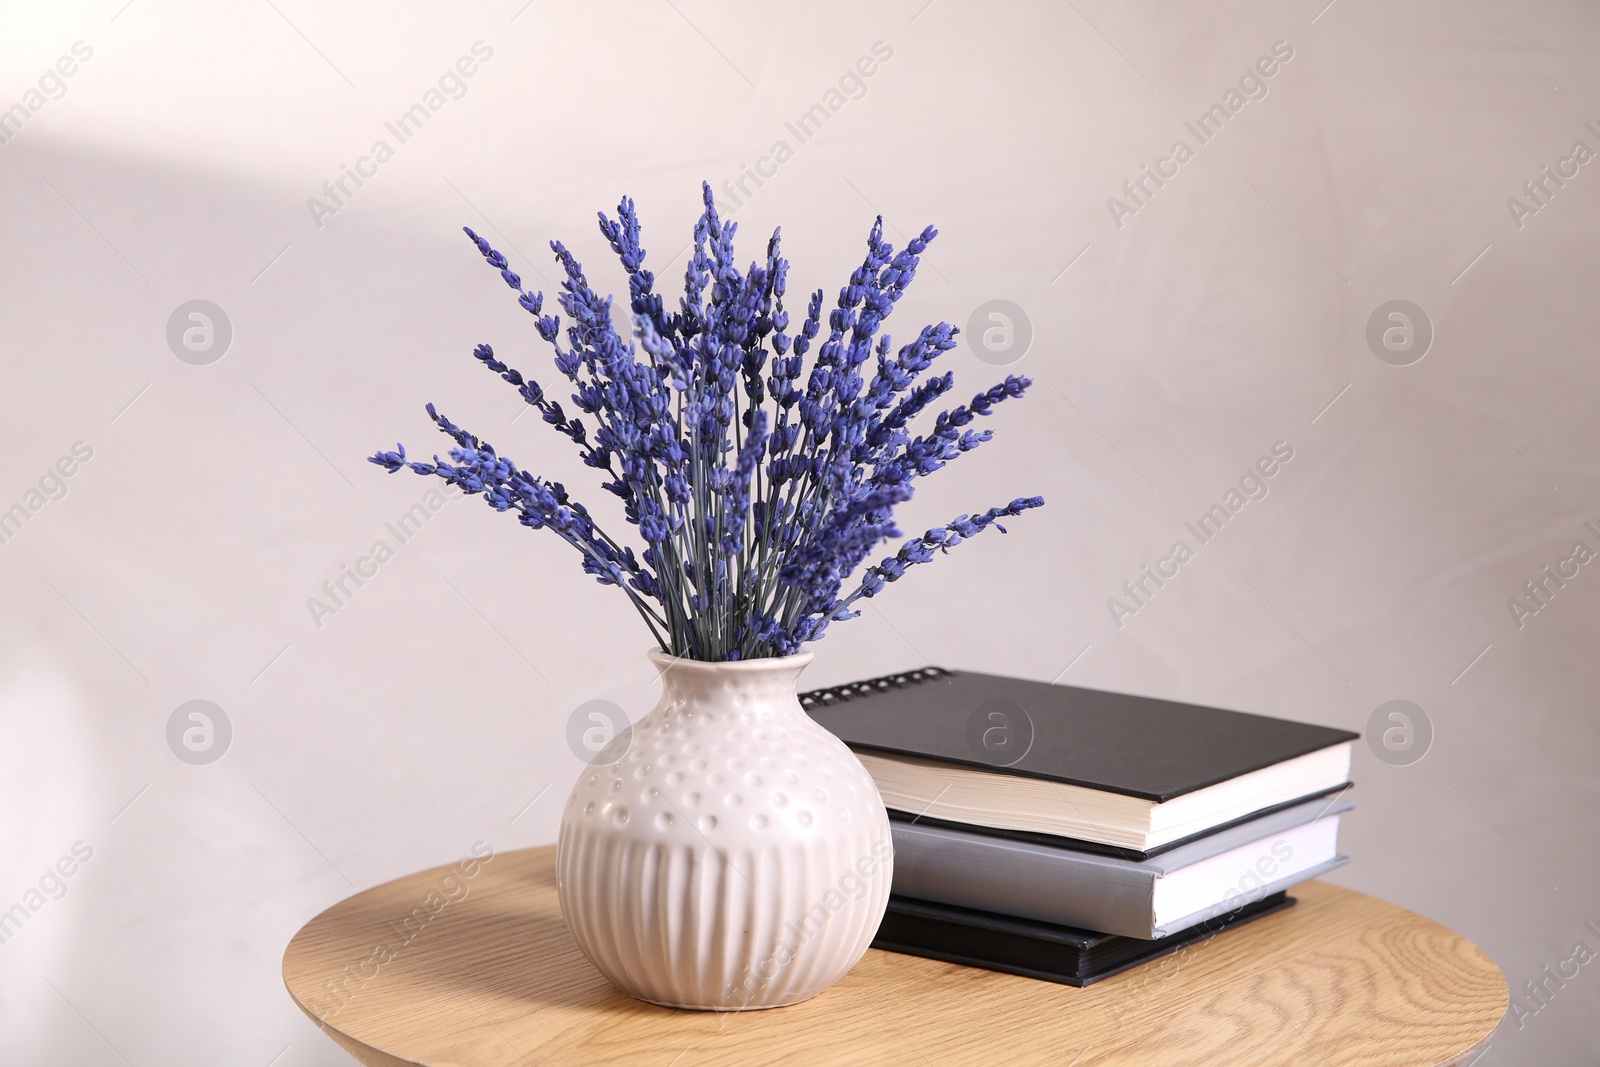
point(441, 968)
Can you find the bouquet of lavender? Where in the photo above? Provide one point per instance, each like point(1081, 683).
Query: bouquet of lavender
point(758, 485)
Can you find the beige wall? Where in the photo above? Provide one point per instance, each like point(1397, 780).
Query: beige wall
point(1174, 343)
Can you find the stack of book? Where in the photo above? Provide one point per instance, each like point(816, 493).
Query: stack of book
point(1069, 834)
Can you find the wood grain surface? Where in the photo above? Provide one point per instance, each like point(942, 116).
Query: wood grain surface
point(447, 970)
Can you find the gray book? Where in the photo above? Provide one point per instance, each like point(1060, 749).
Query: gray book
point(1147, 898)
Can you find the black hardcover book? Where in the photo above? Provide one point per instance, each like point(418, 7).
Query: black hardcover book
point(1080, 768)
point(1039, 950)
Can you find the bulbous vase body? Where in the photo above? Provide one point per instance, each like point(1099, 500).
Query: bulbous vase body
point(726, 852)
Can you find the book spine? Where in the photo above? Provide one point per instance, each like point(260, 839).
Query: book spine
point(1050, 885)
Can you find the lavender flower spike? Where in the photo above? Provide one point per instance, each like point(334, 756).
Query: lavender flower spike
point(759, 467)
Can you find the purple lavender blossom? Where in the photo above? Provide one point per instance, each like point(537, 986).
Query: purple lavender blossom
point(758, 480)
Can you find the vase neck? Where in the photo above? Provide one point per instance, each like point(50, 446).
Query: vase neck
point(770, 682)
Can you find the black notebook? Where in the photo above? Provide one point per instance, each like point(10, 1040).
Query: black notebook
point(1082, 768)
point(1038, 950)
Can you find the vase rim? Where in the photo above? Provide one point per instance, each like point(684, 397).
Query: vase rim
point(743, 666)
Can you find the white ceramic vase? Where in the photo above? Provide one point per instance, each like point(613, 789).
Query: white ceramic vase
point(727, 852)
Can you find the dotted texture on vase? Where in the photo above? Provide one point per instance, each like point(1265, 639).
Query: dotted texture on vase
point(737, 856)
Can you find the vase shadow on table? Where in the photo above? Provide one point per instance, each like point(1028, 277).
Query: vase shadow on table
point(506, 939)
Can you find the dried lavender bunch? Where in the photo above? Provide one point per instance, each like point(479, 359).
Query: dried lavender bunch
point(759, 482)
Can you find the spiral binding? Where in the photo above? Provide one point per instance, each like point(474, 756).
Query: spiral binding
point(839, 694)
